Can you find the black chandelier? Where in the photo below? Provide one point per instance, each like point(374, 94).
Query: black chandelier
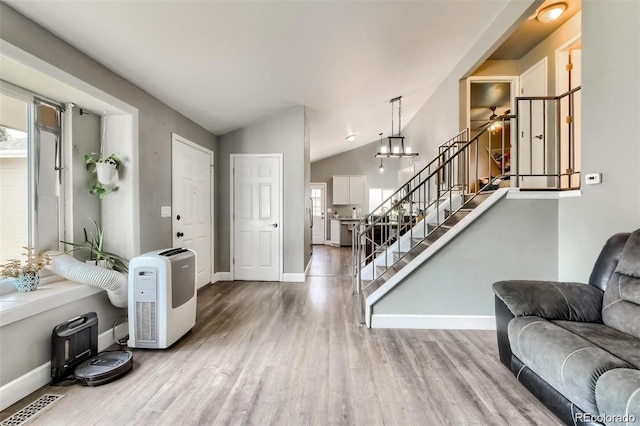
point(395, 147)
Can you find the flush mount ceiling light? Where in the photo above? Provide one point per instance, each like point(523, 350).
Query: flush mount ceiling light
point(395, 147)
point(551, 12)
point(350, 138)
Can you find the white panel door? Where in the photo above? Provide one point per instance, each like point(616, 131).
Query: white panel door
point(191, 205)
point(533, 157)
point(256, 195)
point(318, 209)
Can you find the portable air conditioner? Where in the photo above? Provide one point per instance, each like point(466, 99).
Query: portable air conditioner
point(162, 297)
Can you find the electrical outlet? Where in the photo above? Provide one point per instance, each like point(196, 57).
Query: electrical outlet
point(593, 178)
point(165, 211)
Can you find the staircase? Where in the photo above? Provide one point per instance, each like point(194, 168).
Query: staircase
point(444, 193)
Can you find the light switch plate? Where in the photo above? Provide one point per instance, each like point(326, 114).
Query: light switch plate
point(593, 178)
point(165, 211)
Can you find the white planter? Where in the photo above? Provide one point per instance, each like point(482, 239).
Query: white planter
point(107, 173)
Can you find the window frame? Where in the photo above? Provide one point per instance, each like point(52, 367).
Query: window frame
point(31, 98)
point(390, 192)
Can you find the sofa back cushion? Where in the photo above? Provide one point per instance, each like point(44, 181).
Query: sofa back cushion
point(621, 302)
point(608, 261)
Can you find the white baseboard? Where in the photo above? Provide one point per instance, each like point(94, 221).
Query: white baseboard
point(222, 276)
point(106, 339)
point(441, 322)
point(30, 382)
point(293, 277)
point(14, 391)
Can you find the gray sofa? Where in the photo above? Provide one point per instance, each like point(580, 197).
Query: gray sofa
point(576, 346)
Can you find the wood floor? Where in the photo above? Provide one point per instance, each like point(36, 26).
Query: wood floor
point(291, 354)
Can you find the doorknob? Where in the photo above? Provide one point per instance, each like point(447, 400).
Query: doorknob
point(180, 234)
point(538, 136)
point(275, 225)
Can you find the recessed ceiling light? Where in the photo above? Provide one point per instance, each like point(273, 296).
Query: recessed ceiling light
point(351, 138)
point(551, 12)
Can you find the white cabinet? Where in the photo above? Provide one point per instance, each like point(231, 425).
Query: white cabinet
point(335, 232)
point(349, 190)
point(341, 190)
point(357, 189)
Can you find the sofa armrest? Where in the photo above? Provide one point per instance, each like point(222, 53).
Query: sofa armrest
point(618, 395)
point(551, 300)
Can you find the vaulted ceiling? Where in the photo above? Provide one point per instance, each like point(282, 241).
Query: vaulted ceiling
point(228, 64)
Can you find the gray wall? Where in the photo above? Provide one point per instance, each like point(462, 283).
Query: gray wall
point(610, 129)
point(86, 139)
point(514, 239)
point(610, 94)
point(283, 133)
point(439, 119)
point(359, 161)
point(26, 344)
point(156, 121)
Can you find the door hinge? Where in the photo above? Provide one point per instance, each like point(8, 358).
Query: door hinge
point(569, 67)
point(234, 260)
point(568, 119)
point(522, 90)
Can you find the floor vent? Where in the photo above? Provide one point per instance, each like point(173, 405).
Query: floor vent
point(31, 410)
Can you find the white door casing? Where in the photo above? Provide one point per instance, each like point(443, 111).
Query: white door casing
point(257, 217)
point(568, 77)
point(533, 135)
point(318, 206)
point(192, 203)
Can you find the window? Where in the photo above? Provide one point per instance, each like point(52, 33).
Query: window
point(377, 196)
point(316, 202)
point(30, 180)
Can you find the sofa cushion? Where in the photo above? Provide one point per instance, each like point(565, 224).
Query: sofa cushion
point(621, 300)
point(620, 344)
point(568, 362)
point(618, 396)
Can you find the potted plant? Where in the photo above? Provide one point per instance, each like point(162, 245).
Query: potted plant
point(105, 172)
point(94, 244)
point(26, 274)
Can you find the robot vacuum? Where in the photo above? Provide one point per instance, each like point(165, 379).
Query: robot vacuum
point(104, 368)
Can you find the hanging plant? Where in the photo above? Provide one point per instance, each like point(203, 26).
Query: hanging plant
point(104, 171)
point(103, 168)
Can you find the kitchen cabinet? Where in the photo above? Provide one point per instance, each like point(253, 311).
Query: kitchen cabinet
point(349, 190)
point(335, 232)
point(341, 231)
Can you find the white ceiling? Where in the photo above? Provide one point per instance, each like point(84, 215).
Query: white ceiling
point(228, 64)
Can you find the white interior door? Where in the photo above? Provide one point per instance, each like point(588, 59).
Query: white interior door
point(257, 217)
point(192, 213)
point(533, 138)
point(318, 209)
